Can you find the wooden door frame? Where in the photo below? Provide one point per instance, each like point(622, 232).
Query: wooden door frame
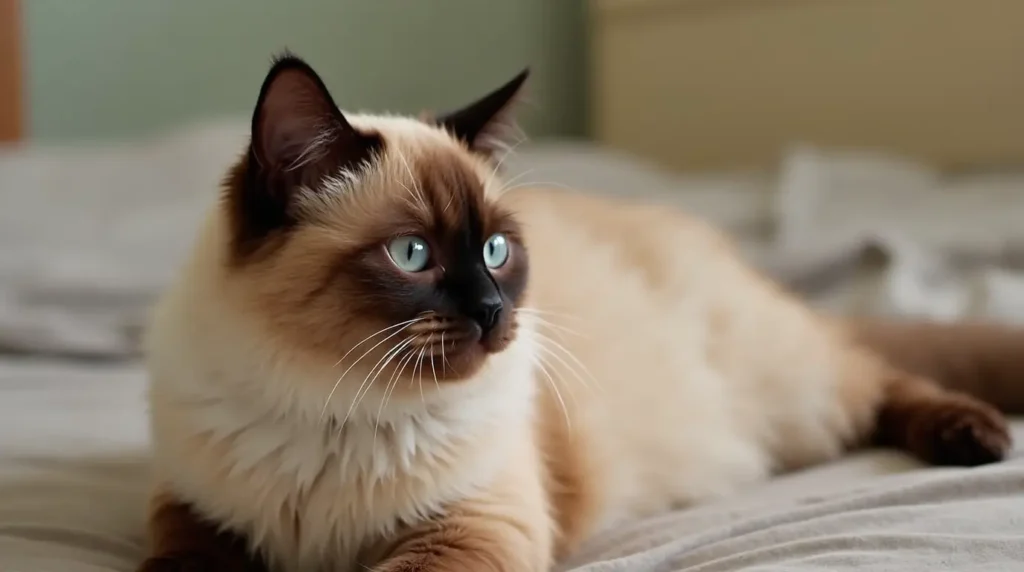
point(12, 107)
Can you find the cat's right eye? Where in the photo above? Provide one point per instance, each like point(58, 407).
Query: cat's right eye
point(409, 253)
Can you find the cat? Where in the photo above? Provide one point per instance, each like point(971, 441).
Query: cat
point(380, 357)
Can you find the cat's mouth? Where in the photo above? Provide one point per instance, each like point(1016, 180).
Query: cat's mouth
point(456, 347)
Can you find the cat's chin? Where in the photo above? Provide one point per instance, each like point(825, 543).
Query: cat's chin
point(463, 361)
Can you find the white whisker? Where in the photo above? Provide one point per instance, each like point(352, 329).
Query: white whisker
point(381, 331)
point(403, 325)
point(557, 329)
point(419, 364)
point(432, 370)
point(539, 312)
point(444, 360)
point(506, 185)
point(497, 167)
point(535, 184)
point(554, 386)
point(571, 357)
point(415, 198)
point(316, 149)
point(419, 192)
point(398, 349)
point(358, 398)
point(393, 382)
point(553, 371)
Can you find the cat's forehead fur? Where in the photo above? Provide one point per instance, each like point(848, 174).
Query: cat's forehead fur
point(420, 177)
point(419, 169)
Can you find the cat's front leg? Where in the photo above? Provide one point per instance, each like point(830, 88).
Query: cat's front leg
point(468, 542)
point(505, 529)
point(182, 541)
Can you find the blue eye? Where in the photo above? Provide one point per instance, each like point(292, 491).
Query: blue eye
point(496, 251)
point(410, 253)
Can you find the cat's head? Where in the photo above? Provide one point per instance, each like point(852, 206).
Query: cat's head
point(375, 239)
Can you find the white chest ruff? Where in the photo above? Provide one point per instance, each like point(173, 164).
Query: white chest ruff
point(309, 500)
point(312, 497)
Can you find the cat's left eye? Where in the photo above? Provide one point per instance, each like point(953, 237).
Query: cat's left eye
point(410, 253)
point(496, 251)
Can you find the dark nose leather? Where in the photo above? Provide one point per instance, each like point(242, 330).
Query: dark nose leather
point(487, 313)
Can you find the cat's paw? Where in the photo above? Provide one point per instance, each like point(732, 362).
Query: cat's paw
point(177, 563)
point(192, 562)
point(962, 431)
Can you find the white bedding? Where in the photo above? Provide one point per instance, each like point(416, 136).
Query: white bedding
point(87, 237)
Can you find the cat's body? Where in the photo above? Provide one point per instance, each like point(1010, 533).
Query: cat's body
point(644, 367)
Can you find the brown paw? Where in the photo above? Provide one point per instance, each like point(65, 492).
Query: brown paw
point(178, 563)
point(960, 431)
point(193, 562)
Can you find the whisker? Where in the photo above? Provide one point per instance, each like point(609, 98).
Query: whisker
point(398, 376)
point(358, 398)
point(419, 364)
point(419, 192)
point(411, 203)
point(538, 312)
point(378, 332)
point(444, 360)
point(536, 184)
point(500, 143)
point(558, 394)
point(389, 389)
point(571, 357)
point(397, 351)
point(432, 370)
point(507, 185)
point(552, 370)
point(508, 152)
point(557, 329)
point(404, 325)
point(558, 360)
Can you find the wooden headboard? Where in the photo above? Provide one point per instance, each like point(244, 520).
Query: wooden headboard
point(12, 109)
point(712, 83)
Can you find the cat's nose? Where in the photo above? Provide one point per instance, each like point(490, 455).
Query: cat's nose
point(487, 313)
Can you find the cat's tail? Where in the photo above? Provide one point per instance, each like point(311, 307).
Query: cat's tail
point(985, 360)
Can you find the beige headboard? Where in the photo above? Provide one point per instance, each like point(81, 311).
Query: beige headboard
point(708, 83)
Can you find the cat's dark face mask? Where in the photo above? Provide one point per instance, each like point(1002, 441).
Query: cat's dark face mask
point(413, 247)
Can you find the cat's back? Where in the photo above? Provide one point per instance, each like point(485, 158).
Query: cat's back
point(651, 316)
point(637, 235)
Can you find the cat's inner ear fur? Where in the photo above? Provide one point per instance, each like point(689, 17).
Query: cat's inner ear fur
point(486, 124)
point(299, 136)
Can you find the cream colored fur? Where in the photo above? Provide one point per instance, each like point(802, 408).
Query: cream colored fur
point(685, 377)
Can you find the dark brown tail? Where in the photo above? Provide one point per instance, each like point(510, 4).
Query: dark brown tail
point(982, 359)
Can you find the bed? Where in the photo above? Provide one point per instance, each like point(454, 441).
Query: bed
point(89, 235)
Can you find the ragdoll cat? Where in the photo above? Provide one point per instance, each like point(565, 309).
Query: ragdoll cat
point(380, 358)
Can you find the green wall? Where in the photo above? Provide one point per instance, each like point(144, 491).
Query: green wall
point(113, 68)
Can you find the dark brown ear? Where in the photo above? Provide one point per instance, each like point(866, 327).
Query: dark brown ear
point(483, 124)
point(298, 137)
point(298, 134)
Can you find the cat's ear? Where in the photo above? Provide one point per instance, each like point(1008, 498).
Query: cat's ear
point(299, 135)
point(484, 124)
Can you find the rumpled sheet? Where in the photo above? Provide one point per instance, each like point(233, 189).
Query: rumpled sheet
point(89, 236)
point(873, 511)
point(73, 482)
